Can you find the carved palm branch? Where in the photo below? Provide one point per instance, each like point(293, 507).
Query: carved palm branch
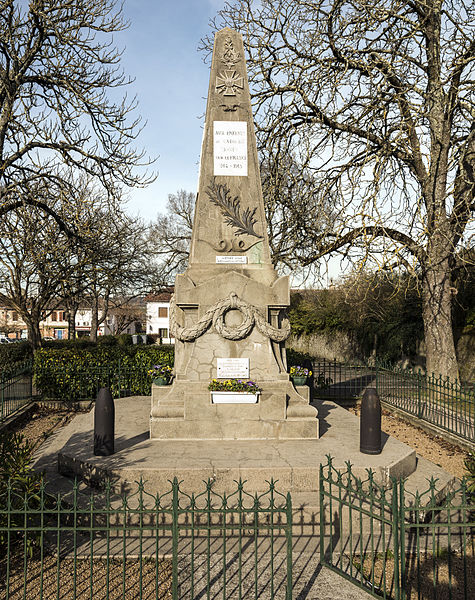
point(242, 222)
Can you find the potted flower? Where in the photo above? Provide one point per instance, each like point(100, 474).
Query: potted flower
point(234, 391)
point(299, 375)
point(160, 374)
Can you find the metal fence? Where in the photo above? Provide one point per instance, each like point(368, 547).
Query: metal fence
point(16, 388)
point(175, 545)
point(394, 543)
point(440, 402)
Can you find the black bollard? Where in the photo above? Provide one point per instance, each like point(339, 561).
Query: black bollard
point(104, 417)
point(370, 423)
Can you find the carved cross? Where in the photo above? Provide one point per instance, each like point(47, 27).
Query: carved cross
point(228, 83)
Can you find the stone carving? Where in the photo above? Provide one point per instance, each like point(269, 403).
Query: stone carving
point(229, 56)
point(242, 222)
point(233, 245)
point(228, 83)
point(215, 316)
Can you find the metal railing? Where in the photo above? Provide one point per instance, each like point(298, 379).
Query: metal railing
point(16, 388)
point(395, 544)
point(174, 545)
point(440, 402)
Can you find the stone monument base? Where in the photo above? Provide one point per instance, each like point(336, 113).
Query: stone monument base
point(185, 411)
point(294, 463)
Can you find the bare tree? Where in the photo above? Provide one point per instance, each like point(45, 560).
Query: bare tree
point(57, 65)
point(32, 268)
point(128, 312)
point(379, 97)
point(122, 266)
point(41, 270)
point(288, 186)
point(170, 236)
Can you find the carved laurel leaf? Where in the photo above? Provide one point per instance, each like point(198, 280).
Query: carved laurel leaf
point(242, 222)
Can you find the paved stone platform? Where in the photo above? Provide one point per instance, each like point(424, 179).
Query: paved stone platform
point(294, 463)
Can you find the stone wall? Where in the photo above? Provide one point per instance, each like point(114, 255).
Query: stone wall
point(338, 346)
point(344, 347)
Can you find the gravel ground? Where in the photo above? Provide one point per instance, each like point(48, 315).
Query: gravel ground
point(38, 425)
point(455, 575)
point(50, 579)
point(451, 458)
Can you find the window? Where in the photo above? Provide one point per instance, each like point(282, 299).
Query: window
point(54, 316)
point(163, 311)
point(14, 316)
point(163, 333)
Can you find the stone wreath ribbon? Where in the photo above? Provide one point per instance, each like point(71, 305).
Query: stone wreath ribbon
point(215, 316)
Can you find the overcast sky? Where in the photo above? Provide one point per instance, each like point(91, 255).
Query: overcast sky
point(171, 83)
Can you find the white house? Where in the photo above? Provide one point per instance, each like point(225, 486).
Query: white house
point(158, 316)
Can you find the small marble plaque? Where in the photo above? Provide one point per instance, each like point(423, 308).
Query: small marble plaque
point(233, 368)
point(231, 260)
point(230, 148)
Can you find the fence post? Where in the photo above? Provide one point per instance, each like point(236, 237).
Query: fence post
point(402, 539)
point(289, 547)
point(395, 525)
point(31, 379)
point(322, 515)
point(419, 399)
point(2, 384)
point(376, 374)
point(175, 486)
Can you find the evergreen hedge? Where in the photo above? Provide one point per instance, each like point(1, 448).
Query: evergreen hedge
point(72, 374)
point(15, 353)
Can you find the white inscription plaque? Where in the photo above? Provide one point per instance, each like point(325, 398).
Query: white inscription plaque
point(233, 367)
point(231, 260)
point(230, 148)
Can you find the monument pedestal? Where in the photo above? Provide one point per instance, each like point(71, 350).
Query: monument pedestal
point(185, 411)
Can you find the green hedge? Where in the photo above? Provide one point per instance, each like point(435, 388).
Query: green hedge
point(295, 358)
point(12, 354)
point(77, 374)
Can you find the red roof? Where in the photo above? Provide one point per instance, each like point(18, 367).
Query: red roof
point(163, 295)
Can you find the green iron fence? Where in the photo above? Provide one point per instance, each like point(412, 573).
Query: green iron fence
point(440, 402)
point(395, 544)
point(99, 545)
point(16, 388)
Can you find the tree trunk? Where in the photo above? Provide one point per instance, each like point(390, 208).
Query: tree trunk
point(34, 335)
point(437, 315)
point(94, 319)
point(72, 311)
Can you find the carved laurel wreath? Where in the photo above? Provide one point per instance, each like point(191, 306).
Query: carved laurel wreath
point(242, 222)
point(215, 316)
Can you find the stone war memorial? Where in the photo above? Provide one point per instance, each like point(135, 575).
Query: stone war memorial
point(228, 310)
point(228, 320)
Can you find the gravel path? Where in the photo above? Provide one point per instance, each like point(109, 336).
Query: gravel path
point(444, 454)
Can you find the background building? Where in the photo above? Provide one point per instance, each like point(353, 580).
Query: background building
point(158, 316)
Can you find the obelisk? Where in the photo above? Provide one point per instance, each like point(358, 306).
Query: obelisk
point(228, 310)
